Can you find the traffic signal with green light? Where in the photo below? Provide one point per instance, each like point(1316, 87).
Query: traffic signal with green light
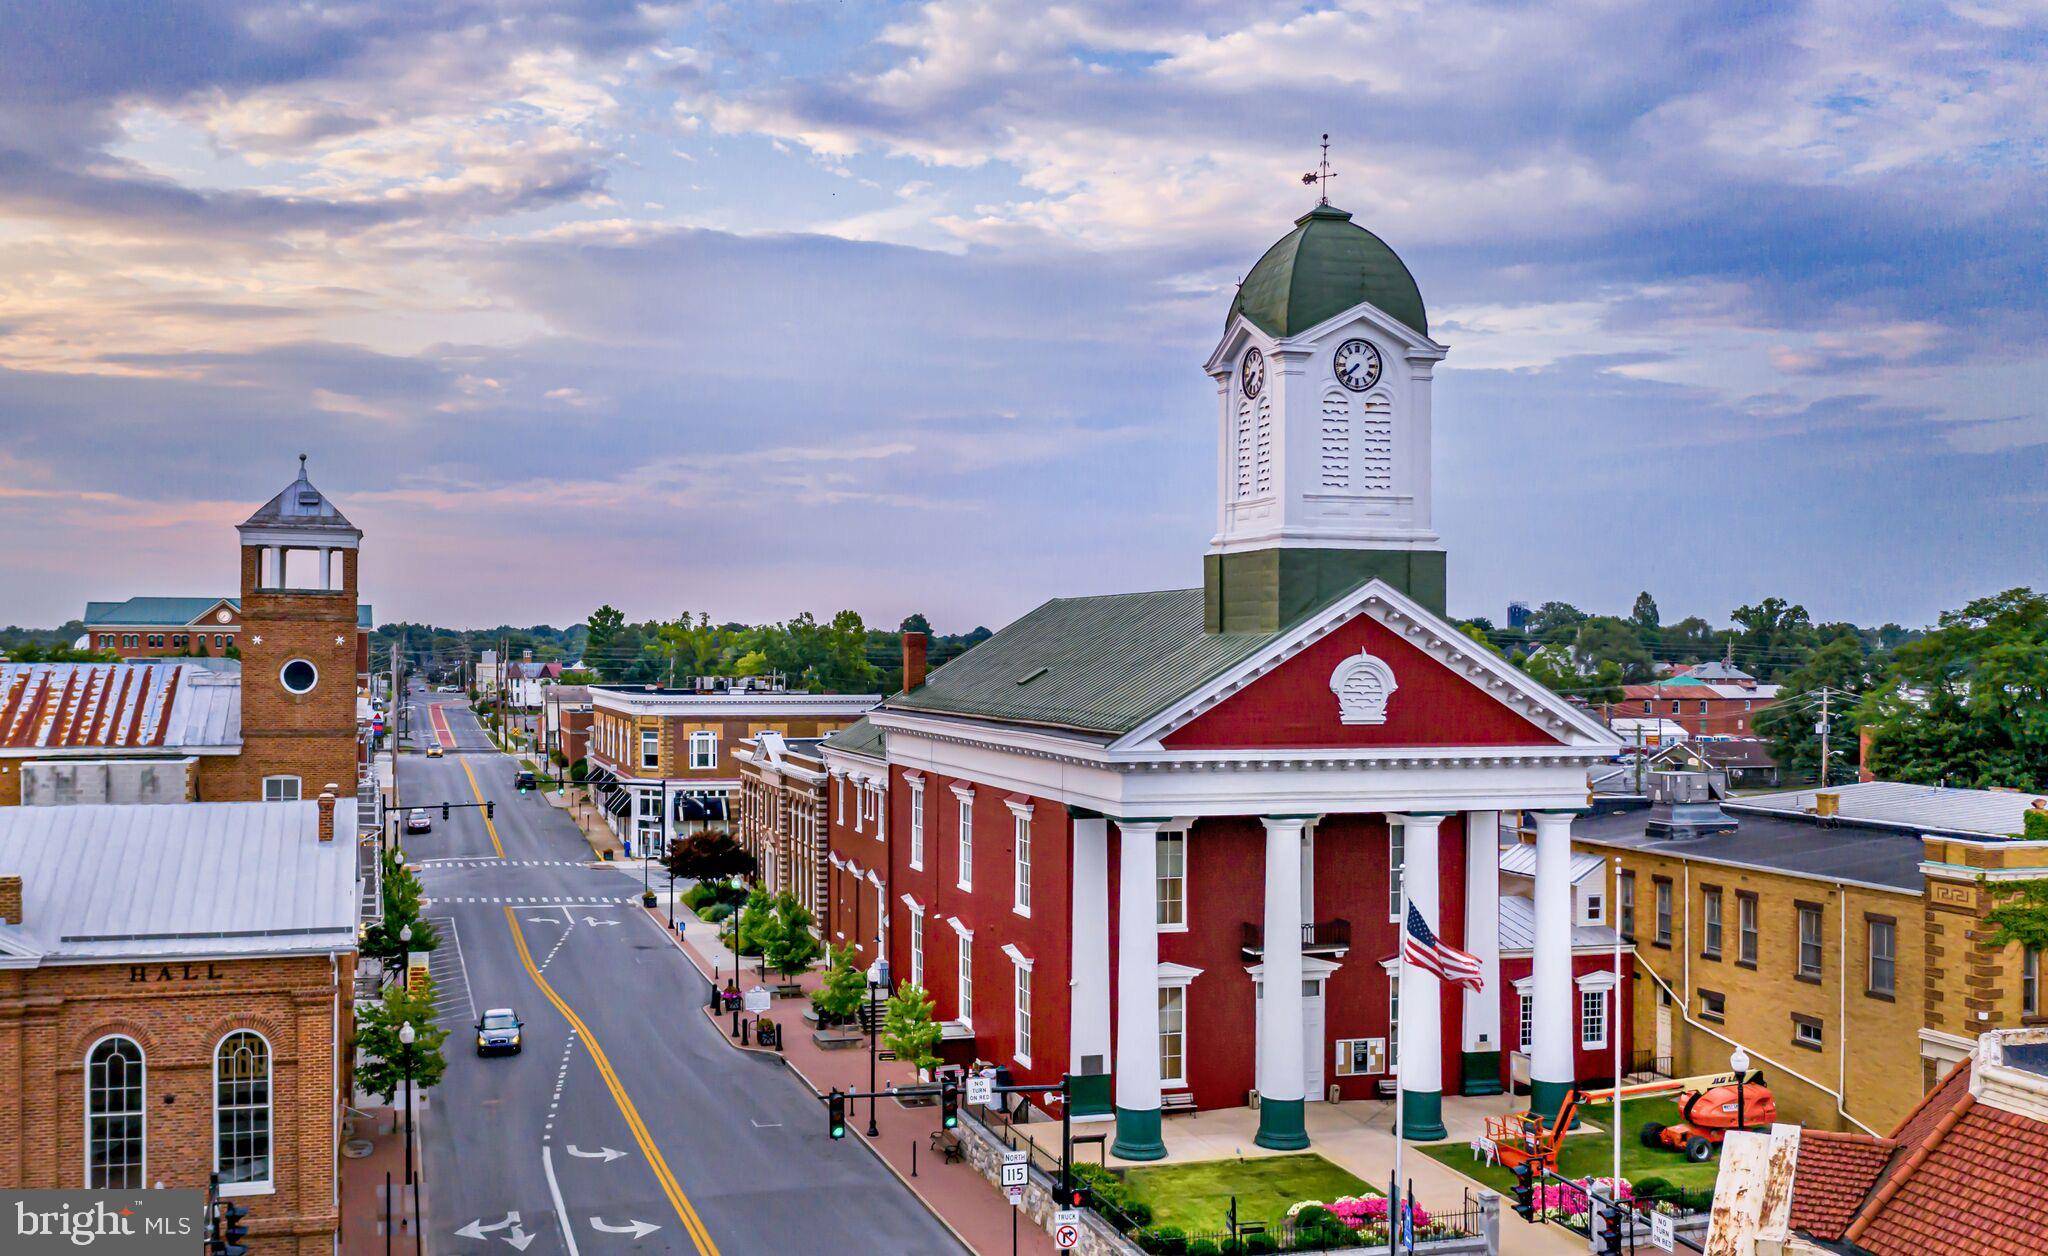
point(835, 1111)
point(949, 1102)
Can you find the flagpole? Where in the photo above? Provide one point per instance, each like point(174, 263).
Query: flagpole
point(1400, 1063)
point(1614, 1028)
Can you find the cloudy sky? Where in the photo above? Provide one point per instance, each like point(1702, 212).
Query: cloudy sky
point(784, 304)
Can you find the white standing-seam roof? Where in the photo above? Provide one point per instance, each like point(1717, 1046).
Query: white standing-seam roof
point(1520, 859)
point(1913, 808)
point(1518, 928)
point(190, 880)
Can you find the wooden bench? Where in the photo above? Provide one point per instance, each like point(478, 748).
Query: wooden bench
point(1175, 1102)
point(835, 1039)
point(789, 990)
point(947, 1143)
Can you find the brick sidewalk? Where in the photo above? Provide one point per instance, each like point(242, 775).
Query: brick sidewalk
point(362, 1186)
point(974, 1210)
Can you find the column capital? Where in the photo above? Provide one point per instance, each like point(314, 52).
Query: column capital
point(1297, 823)
point(1148, 824)
point(1418, 819)
point(1556, 812)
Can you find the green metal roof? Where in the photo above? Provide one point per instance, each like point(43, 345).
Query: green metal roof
point(1094, 664)
point(157, 612)
point(861, 737)
point(1323, 267)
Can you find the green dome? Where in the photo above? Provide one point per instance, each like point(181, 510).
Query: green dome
point(1323, 267)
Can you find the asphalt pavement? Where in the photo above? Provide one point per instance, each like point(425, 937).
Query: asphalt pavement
point(626, 1124)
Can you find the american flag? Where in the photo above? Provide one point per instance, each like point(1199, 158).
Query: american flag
point(1426, 950)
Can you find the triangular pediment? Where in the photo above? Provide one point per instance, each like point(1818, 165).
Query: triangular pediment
point(1373, 670)
point(1365, 316)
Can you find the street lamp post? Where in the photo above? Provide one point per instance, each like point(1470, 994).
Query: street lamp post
point(406, 1037)
point(878, 976)
point(1738, 1060)
point(405, 955)
point(671, 900)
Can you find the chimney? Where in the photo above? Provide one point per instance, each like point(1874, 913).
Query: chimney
point(10, 900)
point(327, 814)
point(913, 660)
point(526, 655)
point(1863, 772)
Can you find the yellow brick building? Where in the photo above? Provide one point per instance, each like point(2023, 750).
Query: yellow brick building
point(1845, 952)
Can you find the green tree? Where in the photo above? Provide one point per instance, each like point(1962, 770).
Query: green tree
point(607, 623)
point(1555, 621)
point(915, 622)
point(793, 946)
point(1605, 639)
point(1554, 668)
point(1775, 637)
point(402, 898)
point(759, 924)
point(1839, 667)
point(844, 987)
point(387, 1060)
point(1644, 612)
point(909, 1030)
point(1967, 704)
point(2020, 911)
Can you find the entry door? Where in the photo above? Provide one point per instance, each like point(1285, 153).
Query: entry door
point(1312, 1044)
point(1663, 1059)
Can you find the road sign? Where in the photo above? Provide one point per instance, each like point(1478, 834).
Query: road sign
point(1015, 1169)
point(1066, 1229)
point(1663, 1232)
point(758, 999)
point(1016, 1195)
point(981, 1091)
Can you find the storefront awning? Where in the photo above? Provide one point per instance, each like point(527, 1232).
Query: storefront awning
point(617, 801)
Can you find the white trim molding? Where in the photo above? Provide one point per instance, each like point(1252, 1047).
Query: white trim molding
point(1017, 957)
point(1364, 685)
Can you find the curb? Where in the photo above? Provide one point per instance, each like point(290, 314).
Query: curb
point(926, 1204)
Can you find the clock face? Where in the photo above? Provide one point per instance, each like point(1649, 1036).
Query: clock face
point(1358, 365)
point(1252, 374)
point(223, 616)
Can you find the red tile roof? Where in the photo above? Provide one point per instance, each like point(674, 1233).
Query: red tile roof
point(1834, 1175)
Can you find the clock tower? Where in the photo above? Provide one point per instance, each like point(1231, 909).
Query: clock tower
point(298, 645)
point(1323, 388)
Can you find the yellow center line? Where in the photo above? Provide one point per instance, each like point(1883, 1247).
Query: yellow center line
point(489, 827)
point(692, 1223)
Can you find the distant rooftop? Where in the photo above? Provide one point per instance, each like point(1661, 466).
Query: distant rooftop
point(1913, 809)
point(174, 612)
point(1848, 852)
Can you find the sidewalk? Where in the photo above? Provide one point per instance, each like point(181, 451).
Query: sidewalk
point(363, 1184)
point(960, 1197)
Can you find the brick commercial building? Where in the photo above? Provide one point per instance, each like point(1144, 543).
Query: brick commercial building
point(662, 760)
point(173, 627)
point(1837, 936)
point(175, 993)
point(782, 818)
point(272, 727)
point(857, 819)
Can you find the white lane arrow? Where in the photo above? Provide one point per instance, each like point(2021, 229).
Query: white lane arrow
point(520, 1239)
point(543, 920)
point(637, 1229)
point(477, 1229)
point(594, 921)
point(606, 1154)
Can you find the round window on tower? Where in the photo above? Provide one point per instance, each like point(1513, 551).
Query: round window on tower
point(299, 676)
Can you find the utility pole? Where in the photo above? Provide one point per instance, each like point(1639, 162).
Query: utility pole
point(397, 698)
point(1824, 729)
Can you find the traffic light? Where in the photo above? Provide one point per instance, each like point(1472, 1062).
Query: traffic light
point(835, 1109)
point(232, 1231)
point(1525, 1191)
point(1610, 1229)
point(1075, 1196)
point(444, 811)
point(490, 810)
point(949, 1102)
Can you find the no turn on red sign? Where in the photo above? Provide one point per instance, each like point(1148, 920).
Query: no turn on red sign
point(1066, 1229)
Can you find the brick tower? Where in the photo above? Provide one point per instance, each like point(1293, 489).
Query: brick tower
point(298, 647)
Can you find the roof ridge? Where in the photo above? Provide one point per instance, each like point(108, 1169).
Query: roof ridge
point(1896, 1181)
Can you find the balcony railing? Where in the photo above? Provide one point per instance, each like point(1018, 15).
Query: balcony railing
point(1317, 935)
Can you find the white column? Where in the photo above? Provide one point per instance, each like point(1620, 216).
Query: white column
point(1422, 1024)
point(1088, 940)
point(1482, 940)
point(326, 568)
point(1137, 992)
point(1551, 1070)
point(1281, 1067)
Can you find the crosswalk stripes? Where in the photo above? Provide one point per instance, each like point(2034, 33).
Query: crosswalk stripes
point(450, 973)
point(458, 861)
point(535, 900)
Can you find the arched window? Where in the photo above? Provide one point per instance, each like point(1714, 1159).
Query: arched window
point(114, 1121)
point(241, 1109)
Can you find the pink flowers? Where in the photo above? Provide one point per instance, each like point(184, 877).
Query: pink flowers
point(1359, 1211)
point(1555, 1200)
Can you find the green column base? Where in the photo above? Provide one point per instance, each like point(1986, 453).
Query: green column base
point(1422, 1116)
point(1481, 1073)
point(1137, 1135)
point(1545, 1098)
point(1282, 1126)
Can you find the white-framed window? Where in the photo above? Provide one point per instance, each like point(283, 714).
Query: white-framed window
point(650, 749)
point(2030, 982)
point(1361, 1057)
point(1394, 1018)
point(1172, 850)
point(241, 1112)
point(1020, 890)
point(116, 1118)
point(916, 947)
point(1022, 989)
point(838, 799)
point(1173, 1036)
point(1397, 858)
point(964, 974)
point(1596, 908)
point(703, 750)
point(1592, 1019)
point(1525, 1014)
point(916, 826)
point(1809, 941)
point(1710, 918)
point(281, 789)
point(966, 858)
point(1883, 956)
point(1806, 1031)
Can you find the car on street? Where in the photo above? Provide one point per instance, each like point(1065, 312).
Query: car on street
point(433, 750)
point(523, 780)
point(498, 1032)
point(418, 821)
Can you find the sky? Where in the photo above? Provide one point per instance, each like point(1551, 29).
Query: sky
point(787, 305)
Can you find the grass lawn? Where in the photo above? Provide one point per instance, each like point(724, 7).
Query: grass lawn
point(1196, 1196)
point(1592, 1154)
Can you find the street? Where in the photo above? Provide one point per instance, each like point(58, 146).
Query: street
point(626, 1123)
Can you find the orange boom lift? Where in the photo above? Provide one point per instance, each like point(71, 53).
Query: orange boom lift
point(1710, 1104)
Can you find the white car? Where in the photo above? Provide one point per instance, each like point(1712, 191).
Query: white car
point(418, 821)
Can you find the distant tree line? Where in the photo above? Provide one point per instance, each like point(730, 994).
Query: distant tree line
point(839, 655)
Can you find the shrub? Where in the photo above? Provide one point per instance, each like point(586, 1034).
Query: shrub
point(1204, 1247)
point(1165, 1241)
point(1260, 1245)
point(1313, 1216)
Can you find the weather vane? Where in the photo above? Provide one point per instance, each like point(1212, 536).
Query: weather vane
point(1322, 174)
